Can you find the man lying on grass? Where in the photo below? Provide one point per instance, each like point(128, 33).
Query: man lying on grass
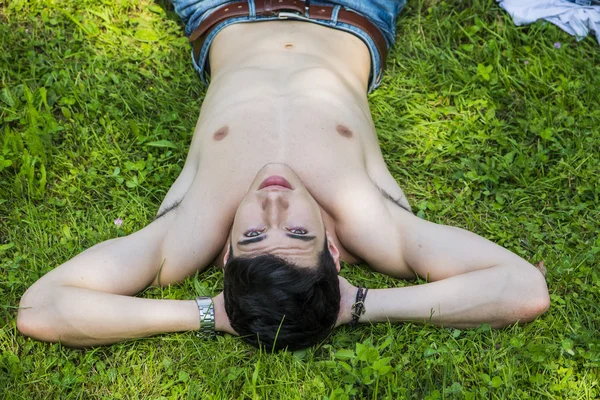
point(284, 179)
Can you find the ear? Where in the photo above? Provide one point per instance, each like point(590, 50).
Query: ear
point(335, 253)
point(226, 256)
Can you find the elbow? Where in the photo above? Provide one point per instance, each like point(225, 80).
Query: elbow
point(26, 324)
point(540, 298)
point(32, 318)
point(535, 299)
point(536, 307)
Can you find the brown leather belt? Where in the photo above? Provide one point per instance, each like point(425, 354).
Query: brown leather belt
point(274, 8)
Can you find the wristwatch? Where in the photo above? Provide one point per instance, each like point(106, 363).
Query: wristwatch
point(207, 315)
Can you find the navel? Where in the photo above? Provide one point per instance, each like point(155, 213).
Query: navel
point(344, 131)
point(221, 133)
point(289, 46)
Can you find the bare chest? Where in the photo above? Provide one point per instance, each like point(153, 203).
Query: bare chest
point(301, 102)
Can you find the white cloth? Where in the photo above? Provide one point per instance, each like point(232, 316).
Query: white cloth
point(574, 19)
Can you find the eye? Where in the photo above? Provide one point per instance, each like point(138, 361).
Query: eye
point(298, 231)
point(253, 232)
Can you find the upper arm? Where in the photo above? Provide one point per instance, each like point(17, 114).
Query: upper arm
point(436, 252)
point(124, 265)
point(365, 229)
point(395, 242)
point(169, 249)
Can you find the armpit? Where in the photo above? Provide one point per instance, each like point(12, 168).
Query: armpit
point(401, 201)
point(165, 210)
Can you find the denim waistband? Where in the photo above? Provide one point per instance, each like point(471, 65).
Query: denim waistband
point(382, 13)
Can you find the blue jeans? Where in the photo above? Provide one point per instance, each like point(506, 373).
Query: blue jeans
point(382, 13)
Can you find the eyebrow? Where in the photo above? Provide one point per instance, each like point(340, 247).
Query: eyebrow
point(304, 238)
point(251, 240)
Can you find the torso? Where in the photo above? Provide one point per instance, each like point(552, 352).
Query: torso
point(286, 92)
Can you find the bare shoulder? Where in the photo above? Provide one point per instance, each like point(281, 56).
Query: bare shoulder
point(366, 225)
point(196, 236)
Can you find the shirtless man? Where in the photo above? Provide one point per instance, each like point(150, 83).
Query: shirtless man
point(284, 179)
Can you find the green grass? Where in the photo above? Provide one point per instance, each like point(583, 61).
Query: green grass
point(485, 125)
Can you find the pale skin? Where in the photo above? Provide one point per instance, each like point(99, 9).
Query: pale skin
point(286, 99)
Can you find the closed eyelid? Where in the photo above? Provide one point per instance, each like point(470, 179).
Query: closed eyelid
point(254, 230)
point(294, 228)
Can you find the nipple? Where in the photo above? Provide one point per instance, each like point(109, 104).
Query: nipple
point(344, 131)
point(221, 133)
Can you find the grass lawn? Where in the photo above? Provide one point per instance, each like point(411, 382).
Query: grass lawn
point(487, 126)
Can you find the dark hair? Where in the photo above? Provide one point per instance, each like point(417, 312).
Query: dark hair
point(278, 304)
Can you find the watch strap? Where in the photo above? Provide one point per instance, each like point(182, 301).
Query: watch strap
point(207, 314)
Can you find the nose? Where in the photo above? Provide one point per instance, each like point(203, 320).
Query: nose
point(274, 204)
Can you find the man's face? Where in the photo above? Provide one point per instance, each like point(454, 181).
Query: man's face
point(278, 216)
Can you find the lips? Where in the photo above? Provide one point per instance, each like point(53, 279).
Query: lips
point(275, 180)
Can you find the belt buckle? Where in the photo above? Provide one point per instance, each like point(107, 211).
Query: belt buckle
point(291, 15)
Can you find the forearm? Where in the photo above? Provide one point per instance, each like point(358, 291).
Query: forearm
point(498, 296)
point(82, 317)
